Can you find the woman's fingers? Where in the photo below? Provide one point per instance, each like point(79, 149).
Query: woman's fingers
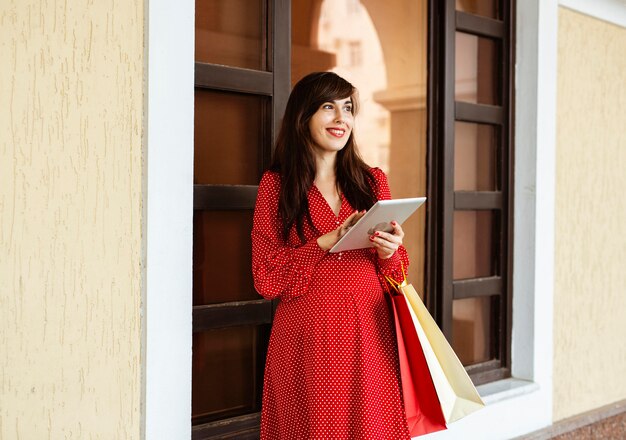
point(397, 229)
point(387, 243)
point(385, 249)
point(395, 237)
point(350, 221)
point(328, 240)
point(381, 243)
point(353, 218)
point(357, 217)
point(385, 236)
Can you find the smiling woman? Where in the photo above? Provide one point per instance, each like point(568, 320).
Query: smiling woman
point(332, 311)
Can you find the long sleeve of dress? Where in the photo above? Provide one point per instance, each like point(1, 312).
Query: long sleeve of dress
point(278, 269)
point(394, 265)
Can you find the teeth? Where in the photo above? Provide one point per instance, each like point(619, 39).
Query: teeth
point(336, 132)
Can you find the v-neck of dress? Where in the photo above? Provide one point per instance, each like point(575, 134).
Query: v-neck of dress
point(330, 208)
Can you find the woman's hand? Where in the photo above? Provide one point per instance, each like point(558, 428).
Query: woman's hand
point(327, 241)
point(386, 243)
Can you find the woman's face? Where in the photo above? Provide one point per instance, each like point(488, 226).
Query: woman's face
point(331, 125)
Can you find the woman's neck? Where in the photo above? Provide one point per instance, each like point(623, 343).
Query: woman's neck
point(325, 167)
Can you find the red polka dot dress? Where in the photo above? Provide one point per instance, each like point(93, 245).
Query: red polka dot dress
point(332, 364)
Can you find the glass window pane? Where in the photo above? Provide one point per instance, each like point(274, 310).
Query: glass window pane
point(224, 372)
point(474, 157)
point(382, 51)
point(473, 244)
point(471, 329)
point(486, 8)
point(229, 138)
point(231, 32)
point(222, 273)
point(476, 73)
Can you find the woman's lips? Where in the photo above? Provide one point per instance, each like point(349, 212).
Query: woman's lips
point(337, 132)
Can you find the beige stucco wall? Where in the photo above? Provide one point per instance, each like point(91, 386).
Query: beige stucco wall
point(71, 94)
point(590, 270)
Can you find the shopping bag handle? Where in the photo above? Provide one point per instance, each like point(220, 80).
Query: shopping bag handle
point(395, 284)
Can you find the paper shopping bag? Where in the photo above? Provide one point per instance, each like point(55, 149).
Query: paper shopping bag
point(422, 407)
point(457, 394)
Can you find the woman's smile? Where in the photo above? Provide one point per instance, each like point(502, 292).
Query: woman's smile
point(337, 132)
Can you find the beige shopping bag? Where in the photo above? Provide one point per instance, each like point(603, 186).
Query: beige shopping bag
point(456, 392)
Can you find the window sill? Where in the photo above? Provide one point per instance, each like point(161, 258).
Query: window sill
point(505, 389)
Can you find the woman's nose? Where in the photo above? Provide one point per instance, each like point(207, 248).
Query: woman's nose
point(339, 118)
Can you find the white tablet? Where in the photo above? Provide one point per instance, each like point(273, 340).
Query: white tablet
point(377, 219)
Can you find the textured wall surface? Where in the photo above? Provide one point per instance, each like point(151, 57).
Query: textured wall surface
point(590, 270)
point(71, 92)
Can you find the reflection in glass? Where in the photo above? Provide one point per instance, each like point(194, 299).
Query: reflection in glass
point(231, 32)
point(228, 138)
point(471, 329)
point(473, 244)
point(486, 8)
point(474, 157)
point(224, 372)
point(476, 74)
point(222, 273)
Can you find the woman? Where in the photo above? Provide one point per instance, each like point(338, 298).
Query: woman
point(332, 369)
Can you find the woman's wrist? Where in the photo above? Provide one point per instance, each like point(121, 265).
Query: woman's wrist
point(389, 263)
point(386, 256)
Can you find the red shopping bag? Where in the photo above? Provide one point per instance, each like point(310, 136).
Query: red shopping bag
point(423, 410)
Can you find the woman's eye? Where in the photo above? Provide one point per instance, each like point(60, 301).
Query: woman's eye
point(327, 106)
point(348, 108)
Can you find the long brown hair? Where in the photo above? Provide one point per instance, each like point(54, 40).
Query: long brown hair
point(294, 159)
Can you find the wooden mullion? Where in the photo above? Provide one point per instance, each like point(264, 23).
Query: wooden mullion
point(507, 137)
point(267, 116)
point(477, 287)
point(495, 327)
point(263, 336)
point(281, 62)
point(224, 197)
point(265, 36)
point(280, 55)
point(233, 79)
point(447, 196)
point(479, 113)
point(231, 314)
point(479, 25)
point(477, 200)
point(265, 142)
point(435, 130)
point(501, 309)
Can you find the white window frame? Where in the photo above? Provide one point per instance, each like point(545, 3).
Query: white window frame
point(514, 406)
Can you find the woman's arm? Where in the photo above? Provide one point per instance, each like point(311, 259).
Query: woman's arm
point(279, 270)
